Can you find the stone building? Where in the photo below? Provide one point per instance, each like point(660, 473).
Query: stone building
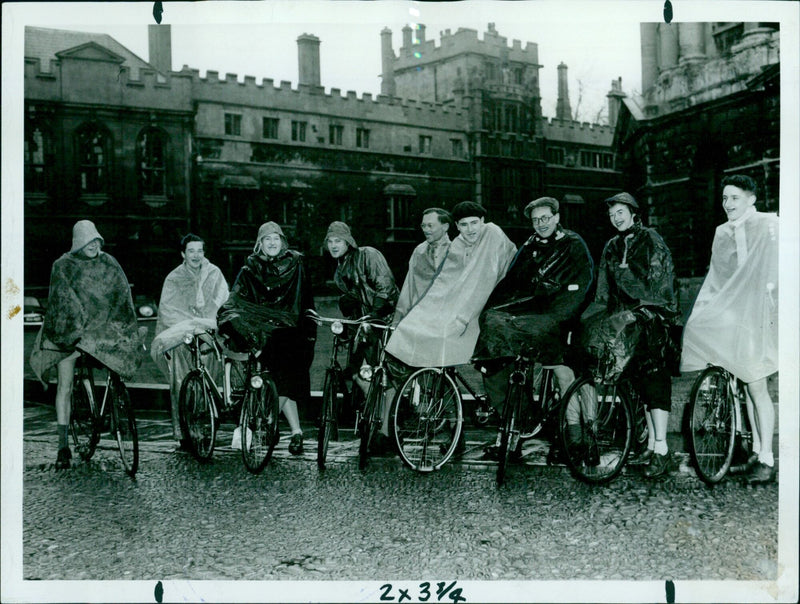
point(149, 153)
point(710, 107)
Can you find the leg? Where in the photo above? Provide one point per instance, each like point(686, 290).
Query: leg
point(289, 408)
point(656, 391)
point(765, 419)
point(66, 373)
point(565, 377)
point(752, 417)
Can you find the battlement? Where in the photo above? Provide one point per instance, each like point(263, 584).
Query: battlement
point(249, 92)
point(555, 129)
point(465, 40)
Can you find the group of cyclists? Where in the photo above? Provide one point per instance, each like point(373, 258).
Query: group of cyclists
point(469, 296)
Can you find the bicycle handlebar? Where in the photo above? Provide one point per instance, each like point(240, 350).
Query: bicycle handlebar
point(365, 320)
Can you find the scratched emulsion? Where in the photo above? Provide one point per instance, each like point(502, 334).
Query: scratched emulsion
point(13, 311)
point(12, 289)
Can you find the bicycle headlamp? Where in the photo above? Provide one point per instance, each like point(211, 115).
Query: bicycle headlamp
point(146, 310)
point(365, 372)
point(337, 327)
point(187, 338)
point(256, 381)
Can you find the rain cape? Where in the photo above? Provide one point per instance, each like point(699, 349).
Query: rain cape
point(441, 329)
point(89, 308)
point(734, 320)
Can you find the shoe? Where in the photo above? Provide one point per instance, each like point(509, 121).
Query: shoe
point(62, 461)
point(644, 457)
point(660, 465)
point(492, 453)
point(296, 444)
point(555, 455)
point(745, 467)
point(761, 474)
point(381, 446)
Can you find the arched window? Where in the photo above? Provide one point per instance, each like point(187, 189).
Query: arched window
point(151, 158)
point(93, 144)
point(38, 162)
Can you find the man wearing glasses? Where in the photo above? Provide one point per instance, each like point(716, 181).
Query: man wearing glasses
point(533, 309)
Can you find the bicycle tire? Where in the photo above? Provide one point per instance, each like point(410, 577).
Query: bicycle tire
point(84, 420)
point(427, 419)
point(328, 416)
point(596, 448)
point(509, 429)
point(712, 425)
point(197, 415)
point(368, 423)
point(123, 426)
point(260, 411)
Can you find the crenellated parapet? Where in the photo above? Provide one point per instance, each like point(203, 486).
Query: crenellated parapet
point(464, 41)
point(577, 132)
point(314, 99)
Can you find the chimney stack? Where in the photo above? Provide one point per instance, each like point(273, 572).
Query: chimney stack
point(159, 39)
point(614, 96)
point(387, 63)
point(563, 110)
point(308, 60)
point(407, 38)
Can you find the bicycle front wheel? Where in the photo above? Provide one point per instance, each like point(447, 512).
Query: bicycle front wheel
point(84, 422)
point(124, 426)
point(596, 430)
point(509, 429)
point(328, 419)
point(427, 419)
point(368, 423)
point(260, 411)
point(197, 414)
point(712, 425)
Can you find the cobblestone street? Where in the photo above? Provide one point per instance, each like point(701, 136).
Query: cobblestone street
point(183, 521)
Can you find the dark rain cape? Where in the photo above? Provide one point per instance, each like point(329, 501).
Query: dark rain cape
point(89, 308)
point(366, 282)
point(734, 321)
point(533, 307)
point(636, 273)
point(266, 311)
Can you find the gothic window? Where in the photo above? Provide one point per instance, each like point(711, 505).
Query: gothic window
point(425, 144)
point(93, 163)
point(362, 138)
point(151, 151)
point(555, 155)
point(299, 131)
point(38, 162)
point(458, 147)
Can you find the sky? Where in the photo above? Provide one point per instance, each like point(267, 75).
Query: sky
point(259, 39)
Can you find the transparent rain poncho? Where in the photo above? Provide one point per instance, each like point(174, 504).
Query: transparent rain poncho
point(734, 321)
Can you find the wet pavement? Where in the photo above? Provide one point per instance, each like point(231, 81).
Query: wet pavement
point(181, 520)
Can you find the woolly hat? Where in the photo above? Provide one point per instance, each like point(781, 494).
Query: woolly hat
point(83, 233)
point(341, 230)
point(466, 209)
point(267, 229)
point(623, 197)
point(549, 202)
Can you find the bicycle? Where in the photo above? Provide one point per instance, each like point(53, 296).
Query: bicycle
point(335, 386)
point(245, 384)
point(716, 423)
point(427, 418)
point(600, 424)
point(87, 418)
point(368, 420)
point(519, 421)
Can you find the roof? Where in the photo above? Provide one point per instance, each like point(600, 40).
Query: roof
point(43, 43)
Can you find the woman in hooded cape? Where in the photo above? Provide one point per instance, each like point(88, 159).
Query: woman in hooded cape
point(266, 311)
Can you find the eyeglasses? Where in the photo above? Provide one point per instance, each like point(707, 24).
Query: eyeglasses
point(544, 220)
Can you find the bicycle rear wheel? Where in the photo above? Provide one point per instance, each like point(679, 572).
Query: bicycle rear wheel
point(509, 429)
point(259, 425)
point(84, 421)
point(427, 419)
point(197, 414)
point(368, 423)
point(327, 420)
point(596, 430)
point(712, 425)
point(532, 412)
point(124, 425)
